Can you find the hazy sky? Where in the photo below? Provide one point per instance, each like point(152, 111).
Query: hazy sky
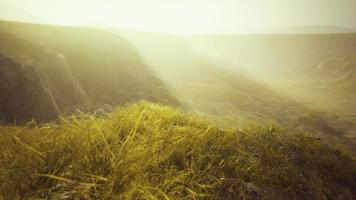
point(194, 16)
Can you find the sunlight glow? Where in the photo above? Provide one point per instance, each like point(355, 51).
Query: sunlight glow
point(191, 16)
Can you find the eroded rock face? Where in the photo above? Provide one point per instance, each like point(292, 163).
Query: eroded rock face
point(23, 95)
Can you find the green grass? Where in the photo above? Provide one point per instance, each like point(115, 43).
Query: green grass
point(148, 151)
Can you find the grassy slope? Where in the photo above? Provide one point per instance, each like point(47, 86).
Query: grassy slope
point(147, 151)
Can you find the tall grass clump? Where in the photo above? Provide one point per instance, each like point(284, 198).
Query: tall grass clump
point(148, 151)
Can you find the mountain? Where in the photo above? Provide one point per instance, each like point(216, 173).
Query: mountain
point(79, 67)
point(316, 29)
point(106, 70)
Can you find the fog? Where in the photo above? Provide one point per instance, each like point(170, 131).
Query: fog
point(228, 99)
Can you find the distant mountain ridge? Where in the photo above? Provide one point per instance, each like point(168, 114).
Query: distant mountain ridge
point(313, 29)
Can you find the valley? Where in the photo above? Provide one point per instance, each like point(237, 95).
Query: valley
point(199, 74)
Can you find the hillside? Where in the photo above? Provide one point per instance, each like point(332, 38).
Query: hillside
point(313, 70)
point(82, 68)
point(300, 56)
point(147, 151)
point(94, 70)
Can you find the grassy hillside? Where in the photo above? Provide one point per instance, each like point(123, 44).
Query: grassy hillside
point(148, 151)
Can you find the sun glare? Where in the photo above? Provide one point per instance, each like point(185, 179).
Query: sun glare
point(191, 16)
point(155, 16)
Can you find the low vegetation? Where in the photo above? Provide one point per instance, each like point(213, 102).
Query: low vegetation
point(149, 151)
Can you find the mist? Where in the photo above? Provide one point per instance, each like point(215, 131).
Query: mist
point(177, 99)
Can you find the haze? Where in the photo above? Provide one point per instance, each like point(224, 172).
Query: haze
point(178, 99)
point(198, 16)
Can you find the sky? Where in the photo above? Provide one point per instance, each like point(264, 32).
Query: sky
point(193, 16)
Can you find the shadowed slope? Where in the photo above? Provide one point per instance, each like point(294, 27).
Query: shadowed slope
point(36, 82)
point(103, 66)
point(106, 65)
point(22, 94)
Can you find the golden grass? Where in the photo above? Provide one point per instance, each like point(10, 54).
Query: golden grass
point(148, 151)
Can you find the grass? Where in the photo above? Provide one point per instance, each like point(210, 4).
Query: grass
point(149, 151)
